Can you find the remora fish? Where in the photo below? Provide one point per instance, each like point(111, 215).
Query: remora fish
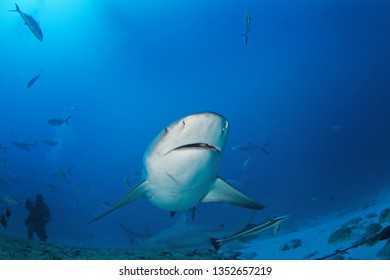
point(181, 166)
point(34, 79)
point(247, 22)
point(31, 23)
point(250, 230)
point(58, 122)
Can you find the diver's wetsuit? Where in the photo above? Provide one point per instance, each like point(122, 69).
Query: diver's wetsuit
point(38, 218)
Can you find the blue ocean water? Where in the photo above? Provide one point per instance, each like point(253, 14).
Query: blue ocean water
point(312, 82)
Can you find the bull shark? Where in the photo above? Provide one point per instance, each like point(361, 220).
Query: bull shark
point(181, 166)
point(251, 230)
point(31, 23)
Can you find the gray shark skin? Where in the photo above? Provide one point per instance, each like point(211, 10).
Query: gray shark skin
point(181, 166)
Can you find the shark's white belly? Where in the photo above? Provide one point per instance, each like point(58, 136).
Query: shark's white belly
point(180, 180)
point(181, 166)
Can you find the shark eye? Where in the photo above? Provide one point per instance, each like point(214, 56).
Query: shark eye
point(184, 123)
point(166, 130)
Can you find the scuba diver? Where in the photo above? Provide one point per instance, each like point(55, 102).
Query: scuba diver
point(38, 217)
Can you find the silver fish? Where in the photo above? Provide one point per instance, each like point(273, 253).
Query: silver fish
point(31, 23)
point(34, 79)
point(58, 122)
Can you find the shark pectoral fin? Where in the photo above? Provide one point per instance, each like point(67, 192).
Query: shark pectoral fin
point(221, 191)
point(136, 193)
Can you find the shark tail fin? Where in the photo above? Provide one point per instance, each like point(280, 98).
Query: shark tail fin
point(16, 10)
point(67, 120)
point(136, 193)
point(216, 244)
point(264, 148)
point(246, 37)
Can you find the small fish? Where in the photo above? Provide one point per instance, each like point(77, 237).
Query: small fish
point(3, 221)
point(24, 146)
point(250, 230)
point(31, 23)
point(50, 143)
point(34, 79)
point(63, 174)
point(58, 122)
point(10, 199)
point(247, 21)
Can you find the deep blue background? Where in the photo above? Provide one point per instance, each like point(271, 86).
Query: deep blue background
point(313, 81)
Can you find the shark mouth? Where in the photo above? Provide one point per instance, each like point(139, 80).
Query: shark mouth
point(204, 146)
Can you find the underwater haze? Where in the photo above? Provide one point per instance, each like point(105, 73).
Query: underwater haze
point(309, 92)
